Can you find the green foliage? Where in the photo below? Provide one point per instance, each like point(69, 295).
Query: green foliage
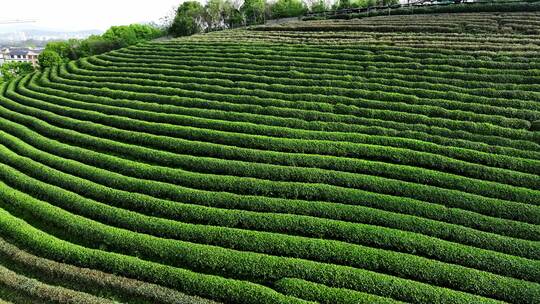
point(216, 12)
point(327, 295)
point(96, 44)
point(319, 6)
point(12, 70)
point(34, 289)
point(89, 280)
point(114, 38)
point(188, 20)
point(68, 50)
point(535, 125)
point(328, 162)
point(131, 34)
point(254, 10)
point(254, 265)
point(49, 58)
point(518, 6)
point(287, 8)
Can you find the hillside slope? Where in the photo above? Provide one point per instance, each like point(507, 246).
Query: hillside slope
point(374, 161)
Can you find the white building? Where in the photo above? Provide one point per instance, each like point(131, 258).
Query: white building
point(29, 55)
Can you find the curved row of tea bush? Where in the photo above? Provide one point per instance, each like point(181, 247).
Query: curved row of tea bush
point(522, 180)
point(264, 267)
point(311, 116)
point(392, 81)
point(349, 114)
point(510, 210)
point(93, 281)
point(48, 176)
point(291, 166)
point(101, 193)
point(259, 121)
point(477, 112)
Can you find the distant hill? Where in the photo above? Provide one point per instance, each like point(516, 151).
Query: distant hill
point(19, 33)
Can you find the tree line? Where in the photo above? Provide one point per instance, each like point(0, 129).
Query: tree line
point(192, 17)
point(60, 52)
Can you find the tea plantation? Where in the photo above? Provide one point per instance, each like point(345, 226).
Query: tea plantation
point(391, 159)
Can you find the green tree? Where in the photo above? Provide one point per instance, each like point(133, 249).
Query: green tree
point(234, 16)
point(215, 14)
point(343, 4)
point(126, 35)
point(318, 6)
point(12, 70)
point(96, 44)
point(188, 20)
point(145, 32)
point(287, 8)
point(49, 58)
point(121, 35)
point(68, 50)
point(254, 11)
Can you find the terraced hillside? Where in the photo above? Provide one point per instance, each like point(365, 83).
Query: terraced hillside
point(286, 164)
point(510, 22)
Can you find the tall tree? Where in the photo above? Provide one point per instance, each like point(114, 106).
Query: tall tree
point(287, 8)
point(215, 13)
point(317, 6)
point(49, 58)
point(234, 15)
point(68, 50)
point(254, 11)
point(188, 20)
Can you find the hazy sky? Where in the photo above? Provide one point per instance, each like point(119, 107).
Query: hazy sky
point(73, 15)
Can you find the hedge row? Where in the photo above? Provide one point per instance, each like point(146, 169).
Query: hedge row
point(175, 178)
point(254, 266)
point(474, 112)
point(412, 90)
point(484, 260)
point(380, 169)
point(401, 107)
point(279, 245)
point(327, 295)
point(93, 281)
point(446, 73)
point(208, 285)
point(325, 72)
point(370, 28)
point(469, 8)
point(322, 55)
point(510, 210)
point(520, 139)
point(444, 65)
point(9, 296)
point(483, 96)
point(350, 213)
point(341, 109)
point(46, 293)
point(267, 125)
point(309, 118)
point(423, 44)
point(289, 128)
point(205, 40)
point(251, 220)
point(344, 39)
point(371, 74)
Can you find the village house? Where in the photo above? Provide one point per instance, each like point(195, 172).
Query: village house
point(20, 55)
